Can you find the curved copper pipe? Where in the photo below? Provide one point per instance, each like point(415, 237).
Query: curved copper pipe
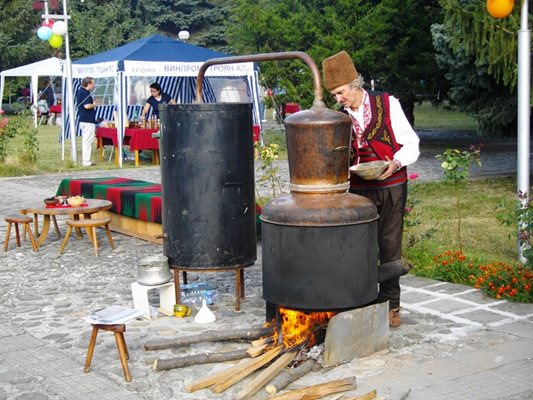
point(287, 55)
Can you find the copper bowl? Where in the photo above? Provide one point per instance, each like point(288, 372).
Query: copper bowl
point(51, 201)
point(370, 170)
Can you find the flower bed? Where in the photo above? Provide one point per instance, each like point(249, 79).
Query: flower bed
point(499, 280)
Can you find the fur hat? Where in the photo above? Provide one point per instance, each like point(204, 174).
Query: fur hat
point(338, 70)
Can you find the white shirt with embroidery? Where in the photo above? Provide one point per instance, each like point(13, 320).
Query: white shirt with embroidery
point(403, 132)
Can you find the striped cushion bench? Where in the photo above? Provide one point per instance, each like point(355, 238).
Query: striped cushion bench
point(137, 205)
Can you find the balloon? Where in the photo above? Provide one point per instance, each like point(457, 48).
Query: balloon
point(48, 22)
point(500, 8)
point(59, 28)
point(55, 41)
point(44, 33)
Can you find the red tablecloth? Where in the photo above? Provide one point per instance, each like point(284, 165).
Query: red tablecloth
point(141, 139)
point(56, 109)
point(137, 139)
point(291, 108)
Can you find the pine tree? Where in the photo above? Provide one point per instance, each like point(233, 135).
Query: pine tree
point(479, 56)
point(389, 43)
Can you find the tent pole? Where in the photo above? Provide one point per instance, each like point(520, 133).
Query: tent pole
point(70, 90)
point(120, 117)
point(35, 94)
point(1, 89)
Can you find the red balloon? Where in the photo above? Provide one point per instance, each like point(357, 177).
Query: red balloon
point(48, 22)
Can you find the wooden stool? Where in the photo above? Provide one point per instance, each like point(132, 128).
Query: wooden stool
point(20, 219)
point(90, 225)
point(118, 329)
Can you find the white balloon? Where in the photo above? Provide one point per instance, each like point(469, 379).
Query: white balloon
point(184, 35)
point(59, 28)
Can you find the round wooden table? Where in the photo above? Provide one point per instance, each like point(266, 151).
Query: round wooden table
point(92, 206)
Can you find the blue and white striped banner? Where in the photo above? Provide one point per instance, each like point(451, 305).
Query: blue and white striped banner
point(180, 88)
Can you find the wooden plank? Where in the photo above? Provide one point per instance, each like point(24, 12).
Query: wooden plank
point(318, 391)
point(254, 365)
point(257, 350)
point(367, 396)
point(266, 376)
point(145, 230)
point(262, 341)
point(211, 380)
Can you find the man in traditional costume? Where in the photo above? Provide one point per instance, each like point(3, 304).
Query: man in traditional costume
point(380, 131)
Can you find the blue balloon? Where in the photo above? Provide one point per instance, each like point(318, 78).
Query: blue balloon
point(44, 33)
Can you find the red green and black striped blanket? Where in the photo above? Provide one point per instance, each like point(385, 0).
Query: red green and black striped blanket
point(130, 197)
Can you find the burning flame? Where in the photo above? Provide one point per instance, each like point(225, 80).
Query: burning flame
point(298, 327)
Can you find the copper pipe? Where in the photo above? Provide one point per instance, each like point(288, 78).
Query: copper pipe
point(287, 55)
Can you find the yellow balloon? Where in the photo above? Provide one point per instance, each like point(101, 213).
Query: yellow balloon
point(55, 41)
point(500, 8)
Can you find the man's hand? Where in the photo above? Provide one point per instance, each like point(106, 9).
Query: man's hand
point(391, 169)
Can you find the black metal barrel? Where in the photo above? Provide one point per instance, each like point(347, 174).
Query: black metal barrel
point(319, 251)
point(207, 176)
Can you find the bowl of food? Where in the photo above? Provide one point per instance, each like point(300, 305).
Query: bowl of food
point(51, 201)
point(75, 201)
point(370, 170)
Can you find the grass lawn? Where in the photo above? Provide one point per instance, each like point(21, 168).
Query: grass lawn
point(484, 238)
point(443, 117)
point(49, 155)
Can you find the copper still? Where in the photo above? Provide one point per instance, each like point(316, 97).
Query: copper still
point(319, 242)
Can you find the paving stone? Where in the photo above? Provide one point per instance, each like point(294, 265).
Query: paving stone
point(437, 352)
point(478, 297)
point(447, 305)
point(482, 316)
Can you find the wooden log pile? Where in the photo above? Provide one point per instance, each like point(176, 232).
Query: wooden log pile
point(272, 359)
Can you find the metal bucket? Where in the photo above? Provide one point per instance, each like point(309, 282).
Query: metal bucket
point(153, 270)
point(207, 176)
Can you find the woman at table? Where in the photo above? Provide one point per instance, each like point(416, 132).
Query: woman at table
point(157, 97)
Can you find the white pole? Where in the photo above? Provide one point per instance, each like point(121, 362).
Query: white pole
point(70, 91)
point(524, 85)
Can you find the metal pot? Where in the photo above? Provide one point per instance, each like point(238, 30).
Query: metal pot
point(153, 270)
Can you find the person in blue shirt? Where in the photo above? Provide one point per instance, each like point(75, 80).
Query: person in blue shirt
point(157, 97)
point(48, 93)
point(87, 117)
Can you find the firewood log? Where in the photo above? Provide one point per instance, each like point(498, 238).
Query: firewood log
point(367, 396)
point(254, 365)
point(255, 351)
point(208, 336)
point(265, 376)
point(185, 361)
point(222, 376)
point(287, 376)
point(318, 391)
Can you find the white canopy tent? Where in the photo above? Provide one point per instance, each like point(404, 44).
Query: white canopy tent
point(50, 67)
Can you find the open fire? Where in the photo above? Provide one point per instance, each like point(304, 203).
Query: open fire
point(297, 327)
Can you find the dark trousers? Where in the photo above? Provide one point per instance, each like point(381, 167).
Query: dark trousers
point(390, 203)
